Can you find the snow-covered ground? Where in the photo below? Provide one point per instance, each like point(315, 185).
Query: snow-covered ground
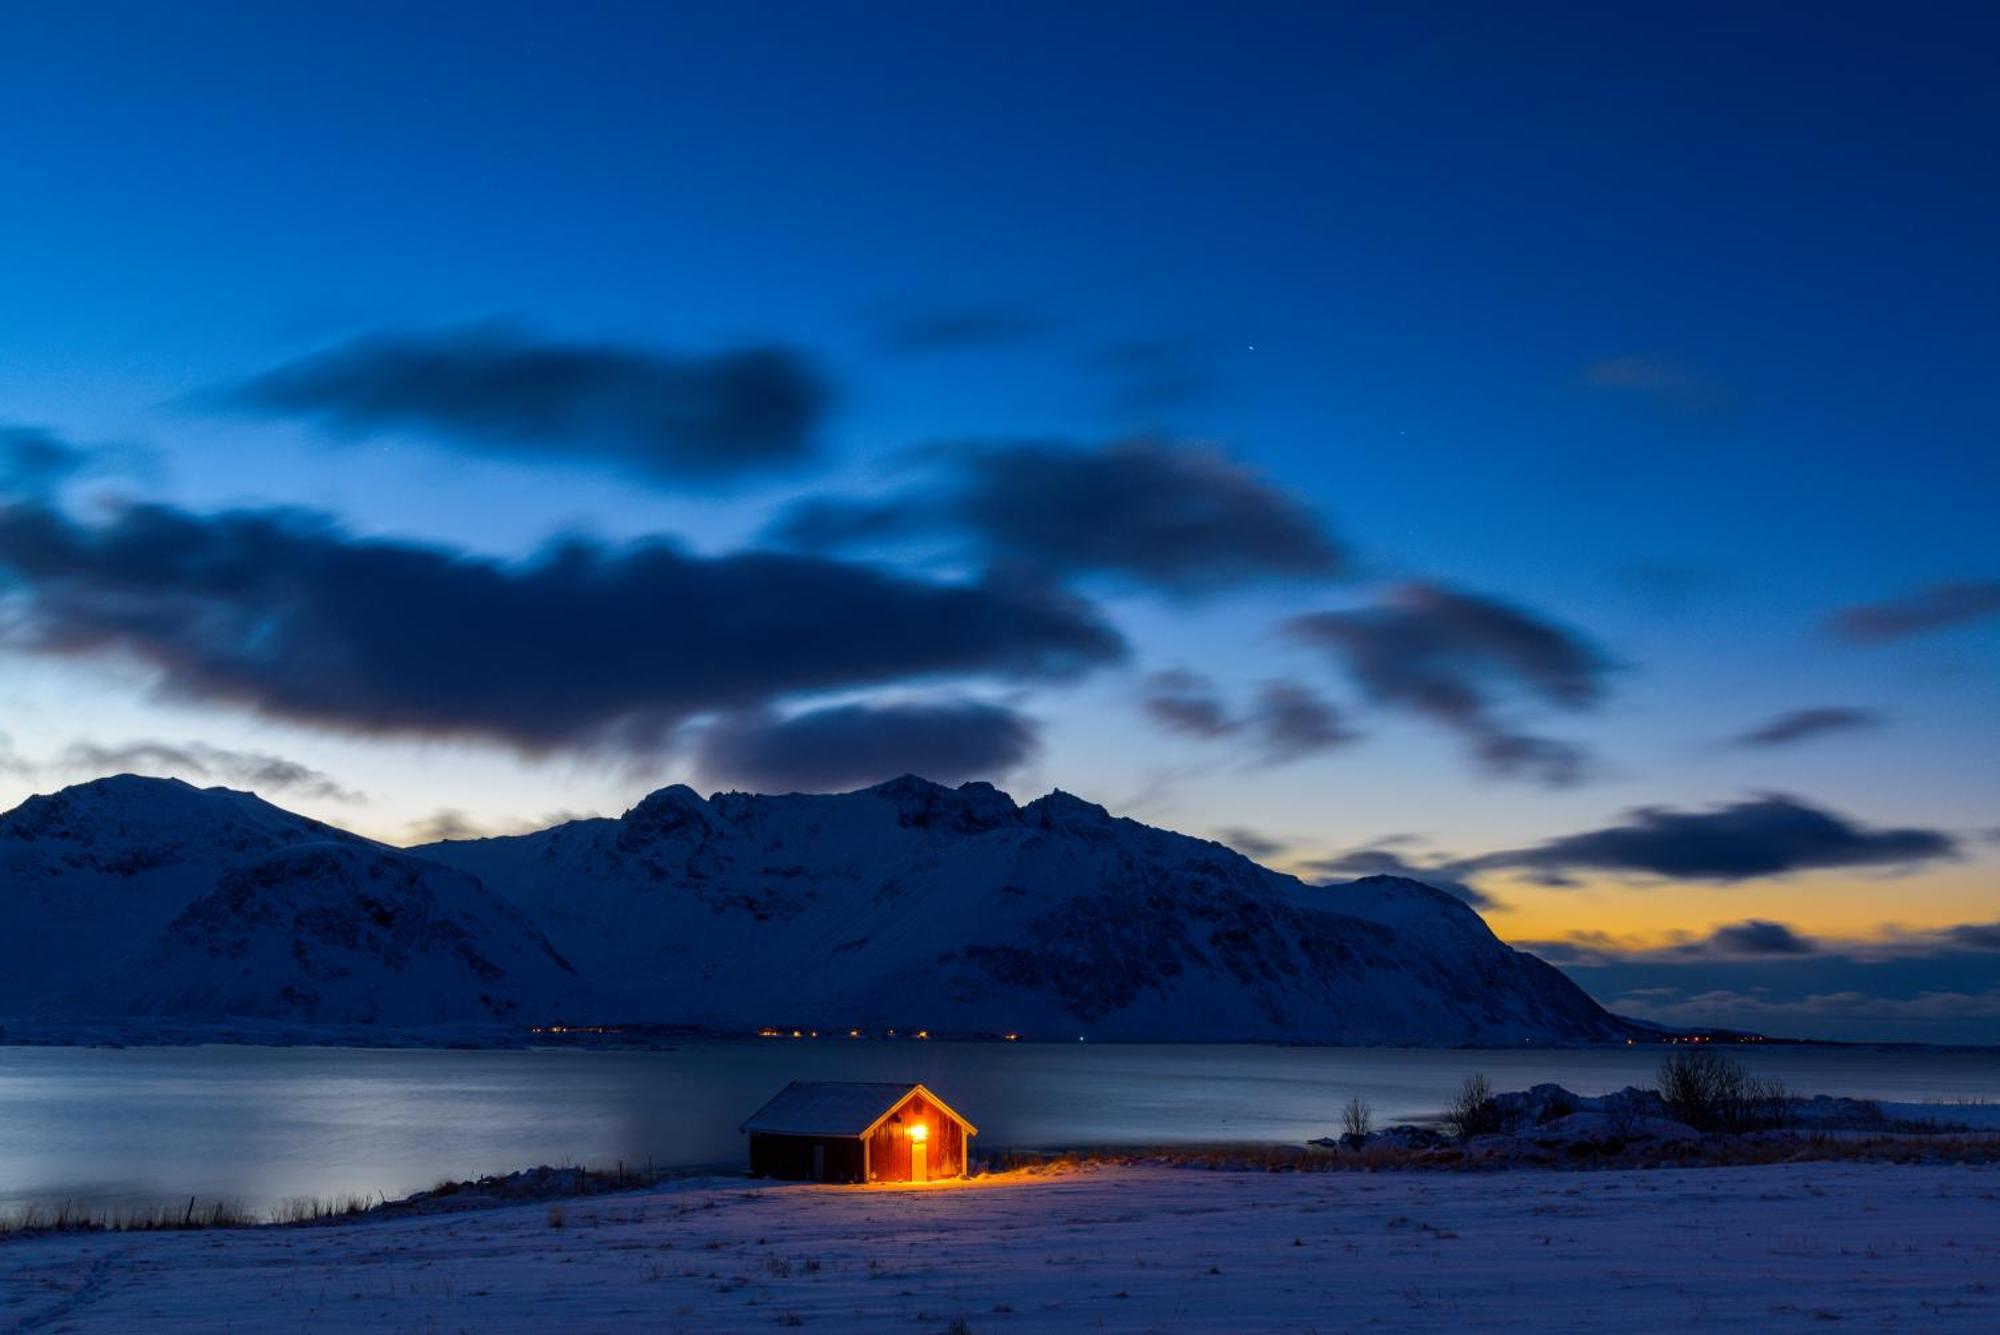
point(1790, 1247)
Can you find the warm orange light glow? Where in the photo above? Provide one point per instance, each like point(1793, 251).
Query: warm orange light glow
point(919, 1132)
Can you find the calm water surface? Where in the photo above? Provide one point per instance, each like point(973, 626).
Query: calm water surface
point(261, 1124)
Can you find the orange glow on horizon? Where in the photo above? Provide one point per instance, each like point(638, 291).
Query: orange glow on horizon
point(1835, 908)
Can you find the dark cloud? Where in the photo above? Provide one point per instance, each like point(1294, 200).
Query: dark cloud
point(1753, 937)
point(1187, 703)
point(1292, 720)
point(1935, 985)
point(257, 770)
point(34, 462)
point(961, 329)
point(1801, 724)
point(656, 416)
point(1756, 938)
point(1380, 861)
point(586, 644)
point(1251, 844)
point(1764, 836)
point(1172, 516)
point(1452, 656)
point(843, 747)
point(1921, 610)
point(1975, 935)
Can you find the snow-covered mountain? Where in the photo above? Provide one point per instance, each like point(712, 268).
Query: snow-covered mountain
point(908, 906)
point(137, 897)
point(94, 872)
point(914, 906)
point(342, 933)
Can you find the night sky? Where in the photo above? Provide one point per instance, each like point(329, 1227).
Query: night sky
point(1551, 448)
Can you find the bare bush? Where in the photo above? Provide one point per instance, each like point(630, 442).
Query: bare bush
point(1357, 1118)
point(1473, 1111)
point(1710, 1092)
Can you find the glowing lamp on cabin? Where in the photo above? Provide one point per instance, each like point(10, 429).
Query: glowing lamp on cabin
point(919, 1132)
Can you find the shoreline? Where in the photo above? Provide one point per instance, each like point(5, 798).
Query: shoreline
point(33, 1032)
point(1953, 1146)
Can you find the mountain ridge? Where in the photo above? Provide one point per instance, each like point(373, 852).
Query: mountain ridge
point(908, 905)
point(1048, 917)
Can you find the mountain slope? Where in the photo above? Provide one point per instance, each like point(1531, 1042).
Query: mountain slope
point(914, 906)
point(341, 933)
point(93, 872)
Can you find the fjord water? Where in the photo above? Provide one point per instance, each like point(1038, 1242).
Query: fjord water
point(261, 1124)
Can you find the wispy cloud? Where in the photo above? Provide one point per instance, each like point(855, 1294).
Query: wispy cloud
point(1157, 514)
point(259, 771)
point(1451, 657)
point(1800, 725)
point(1919, 612)
point(1285, 720)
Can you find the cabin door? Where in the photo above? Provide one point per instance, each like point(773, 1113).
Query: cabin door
point(819, 1163)
point(920, 1161)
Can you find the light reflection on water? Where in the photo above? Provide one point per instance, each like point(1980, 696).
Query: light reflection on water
point(261, 1124)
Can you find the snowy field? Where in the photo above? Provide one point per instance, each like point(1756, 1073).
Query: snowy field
point(1790, 1247)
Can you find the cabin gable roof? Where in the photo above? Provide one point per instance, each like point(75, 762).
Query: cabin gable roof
point(850, 1109)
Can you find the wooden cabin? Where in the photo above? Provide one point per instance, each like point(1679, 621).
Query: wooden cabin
point(835, 1131)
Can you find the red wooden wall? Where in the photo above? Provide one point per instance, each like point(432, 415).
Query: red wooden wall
point(889, 1147)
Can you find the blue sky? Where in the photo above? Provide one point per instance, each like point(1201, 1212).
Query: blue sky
point(1668, 328)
